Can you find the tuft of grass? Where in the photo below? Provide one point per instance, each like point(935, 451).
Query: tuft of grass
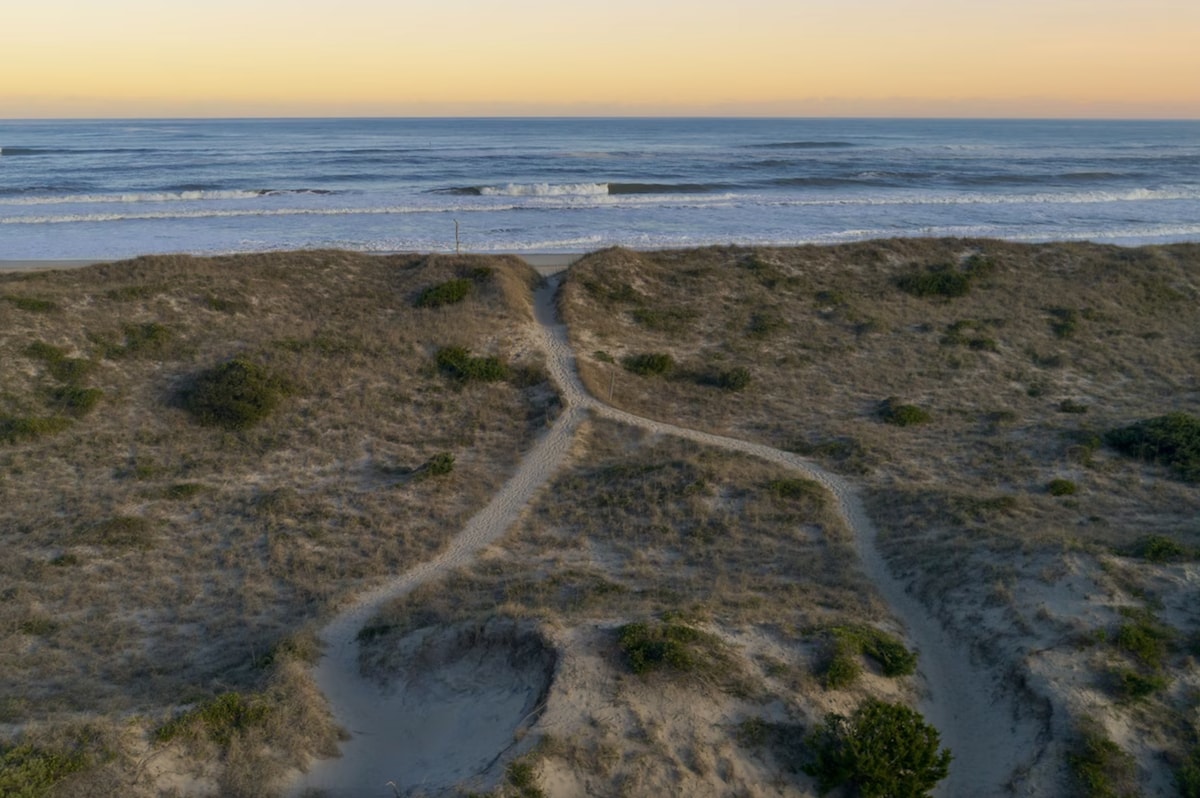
point(130, 293)
point(218, 720)
point(648, 364)
point(19, 429)
point(142, 340)
point(1159, 549)
point(450, 292)
point(669, 645)
point(1172, 440)
point(893, 411)
point(1145, 638)
point(664, 319)
point(27, 771)
point(439, 465)
point(458, 363)
point(848, 642)
point(1099, 766)
point(938, 281)
point(184, 490)
point(236, 394)
point(798, 489)
point(30, 304)
point(73, 400)
point(125, 531)
point(1062, 487)
point(1133, 685)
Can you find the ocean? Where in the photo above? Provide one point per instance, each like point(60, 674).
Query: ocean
point(120, 188)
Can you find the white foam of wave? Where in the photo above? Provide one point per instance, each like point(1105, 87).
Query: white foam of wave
point(978, 198)
point(545, 190)
point(160, 196)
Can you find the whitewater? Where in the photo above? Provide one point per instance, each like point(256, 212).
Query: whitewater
point(120, 188)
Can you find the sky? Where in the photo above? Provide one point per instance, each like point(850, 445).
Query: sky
point(923, 58)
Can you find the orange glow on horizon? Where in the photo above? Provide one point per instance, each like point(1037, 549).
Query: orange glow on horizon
point(535, 57)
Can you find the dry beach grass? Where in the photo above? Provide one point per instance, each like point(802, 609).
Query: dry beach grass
point(165, 577)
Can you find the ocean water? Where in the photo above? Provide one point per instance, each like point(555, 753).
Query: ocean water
point(110, 189)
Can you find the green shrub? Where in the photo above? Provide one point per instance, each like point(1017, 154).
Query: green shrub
point(764, 324)
point(142, 340)
point(521, 776)
point(797, 489)
point(1062, 487)
point(1187, 776)
point(1160, 549)
point(450, 292)
point(184, 490)
point(668, 645)
point(940, 281)
point(881, 751)
point(128, 293)
point(1100, 768)
point(124, 530)
point(62, 368)
point(218, 720)
point(30, 772)
point(1145, 638)
point(1071, 406)
point(845, 643)
point(75, 401)
point(1066, 322)
point(1172, 440)
point(440, 464)
point(734, 379)
point(893, 411)
point(29, 428)
point(30, 304)
point(237, 394)
point(1134, 685)
point(648, 364)
point(458, 363)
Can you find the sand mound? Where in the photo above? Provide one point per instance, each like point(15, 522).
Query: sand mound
point(453, 703)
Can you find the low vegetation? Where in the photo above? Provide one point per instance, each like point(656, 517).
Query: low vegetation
point(1172, 440)
point(236, 394)
point(879, 751)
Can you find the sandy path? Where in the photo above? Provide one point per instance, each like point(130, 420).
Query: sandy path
point(976, 720)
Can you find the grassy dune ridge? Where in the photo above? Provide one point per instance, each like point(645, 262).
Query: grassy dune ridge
point(166, 564)
point(155, 561)
point(971, 387)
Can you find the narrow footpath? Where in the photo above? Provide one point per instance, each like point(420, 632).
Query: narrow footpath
point(977, 721)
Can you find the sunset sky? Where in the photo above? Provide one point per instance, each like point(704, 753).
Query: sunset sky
point(1039, 58)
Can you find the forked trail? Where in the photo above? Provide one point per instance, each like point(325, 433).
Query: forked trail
point(977, 720)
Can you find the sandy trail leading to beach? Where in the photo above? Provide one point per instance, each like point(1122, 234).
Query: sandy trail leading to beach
point(977, 720)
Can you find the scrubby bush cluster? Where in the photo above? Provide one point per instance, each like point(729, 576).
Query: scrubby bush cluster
point(881, 751)
point(648, 364)
point(846, 644)
point(1172, 440)
point(458, 362)
point(938, 281)
point(893, 411)
point(236, 394)
point(668, 645)
point(450, 292)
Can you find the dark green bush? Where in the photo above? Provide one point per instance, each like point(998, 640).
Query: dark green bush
point(1187, 776)
point(458, 362)
point(664, 319)
point(649, 363)
point(893, 411)
point(1159, 548)
point(1134, 685)
point(1071, 406)
point(797, 489)
point(940, 281)
point(881, 751)
point(1062, 487)
point(75, 401)
point(184, 490)
point(448, 293)
point(1145, 638)
point(236, 394)
point(29, 428)
point(734, 379)
point(1172, 440)
point(440, 464)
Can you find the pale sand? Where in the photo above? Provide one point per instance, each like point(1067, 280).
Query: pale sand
point(993, 742)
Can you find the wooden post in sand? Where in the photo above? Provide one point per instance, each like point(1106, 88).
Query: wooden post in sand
point(456, 252)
